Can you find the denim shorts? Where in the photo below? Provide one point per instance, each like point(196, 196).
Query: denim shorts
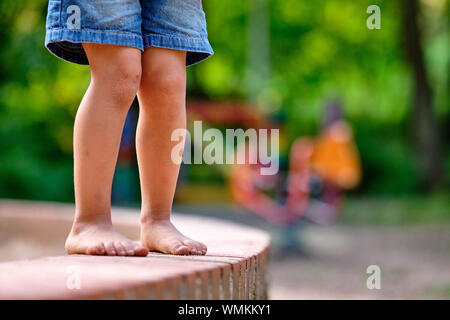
point(173, 24)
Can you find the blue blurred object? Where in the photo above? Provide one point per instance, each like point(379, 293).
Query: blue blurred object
point(125, 180)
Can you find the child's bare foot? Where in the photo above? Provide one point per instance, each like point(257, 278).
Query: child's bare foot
point(99, 239)
point(162, 236)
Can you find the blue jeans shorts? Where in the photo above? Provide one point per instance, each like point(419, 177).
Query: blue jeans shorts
point(173, 24)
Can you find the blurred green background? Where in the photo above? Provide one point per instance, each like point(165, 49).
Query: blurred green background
point(290, 56)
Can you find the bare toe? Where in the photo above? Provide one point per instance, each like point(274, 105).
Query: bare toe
point(194, 246)
point(140, 251)
point(101, 249)
point(99, 239)
point(203, 248)
point(110, 250)
point(128, 248)
point(194, 251)
point(119, 248)
point(98, 249)
point(162, 236)
point(181, 249)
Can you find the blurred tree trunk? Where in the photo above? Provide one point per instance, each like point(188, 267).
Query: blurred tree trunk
point(424, 124)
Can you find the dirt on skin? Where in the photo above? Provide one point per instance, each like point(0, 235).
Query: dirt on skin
point(414, 263)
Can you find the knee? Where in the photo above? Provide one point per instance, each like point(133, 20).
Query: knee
point(122, 82)
point(168, 85)
point(125, 83)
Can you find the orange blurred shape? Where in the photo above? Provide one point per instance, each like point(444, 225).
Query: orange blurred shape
point(335, 157)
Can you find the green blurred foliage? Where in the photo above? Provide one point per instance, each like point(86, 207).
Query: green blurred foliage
point(39, 95)
point(397, 211)
point(318, 50)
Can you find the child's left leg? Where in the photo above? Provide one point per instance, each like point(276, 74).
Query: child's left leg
point(161, 95)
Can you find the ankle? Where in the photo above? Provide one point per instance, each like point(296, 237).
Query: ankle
point(154, 216)
point(150, 220)
point(80, 224)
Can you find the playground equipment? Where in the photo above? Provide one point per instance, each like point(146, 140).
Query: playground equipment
point(320, 170)
point(311, 186)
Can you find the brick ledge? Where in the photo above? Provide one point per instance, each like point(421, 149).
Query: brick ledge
point(234, 267)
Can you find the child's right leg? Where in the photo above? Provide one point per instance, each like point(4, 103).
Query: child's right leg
point(115, 79)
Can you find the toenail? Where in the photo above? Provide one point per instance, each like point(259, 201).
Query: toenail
point(130, 251)
point(194, 250)
point(182, 249)
point(113, 252)
point(122, 252)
